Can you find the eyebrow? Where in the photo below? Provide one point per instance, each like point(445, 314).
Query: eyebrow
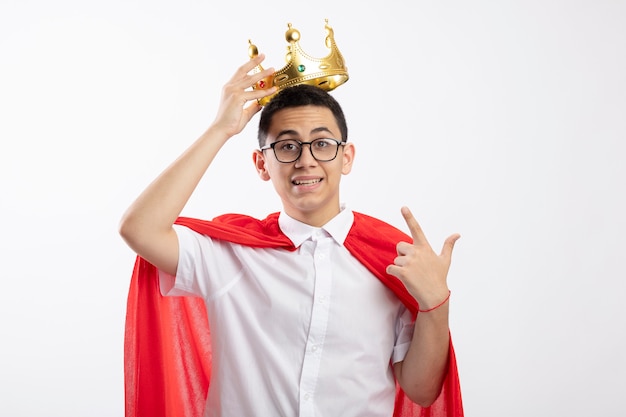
point(294, 133)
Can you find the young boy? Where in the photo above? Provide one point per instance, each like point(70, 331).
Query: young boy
point(312, 311)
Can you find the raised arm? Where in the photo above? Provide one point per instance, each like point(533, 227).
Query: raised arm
point(424, 273)
point(146, 226)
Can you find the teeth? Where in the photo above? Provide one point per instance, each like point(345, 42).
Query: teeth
point(307, 182)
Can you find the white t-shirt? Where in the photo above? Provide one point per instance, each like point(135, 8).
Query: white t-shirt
point(309, 332)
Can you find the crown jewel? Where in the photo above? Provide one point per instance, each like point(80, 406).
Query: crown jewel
point(327, 73)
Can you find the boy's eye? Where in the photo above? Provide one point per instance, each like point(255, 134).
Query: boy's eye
point(290, 146)
point(321, 143)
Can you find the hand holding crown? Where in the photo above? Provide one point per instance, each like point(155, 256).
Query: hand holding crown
point(239, 102)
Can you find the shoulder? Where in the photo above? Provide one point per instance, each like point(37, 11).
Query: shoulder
point(368, 224)
point(366, 218)
point(241, 229)
point(235, 220)
point(238, 219)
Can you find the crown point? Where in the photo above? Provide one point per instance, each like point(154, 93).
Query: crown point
point(252, 49)
point(292, 35)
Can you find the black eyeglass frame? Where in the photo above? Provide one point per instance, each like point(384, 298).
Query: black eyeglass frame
point(273, 145)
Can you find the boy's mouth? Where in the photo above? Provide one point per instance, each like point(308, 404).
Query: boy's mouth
point(306, 182)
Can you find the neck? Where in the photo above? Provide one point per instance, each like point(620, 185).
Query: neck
point(313, 218)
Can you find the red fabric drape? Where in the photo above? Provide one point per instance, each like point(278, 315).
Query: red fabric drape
point(167, 346)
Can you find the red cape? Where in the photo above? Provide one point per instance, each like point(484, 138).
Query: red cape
point(167, 347)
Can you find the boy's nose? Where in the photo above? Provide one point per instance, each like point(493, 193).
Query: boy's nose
point(306, 156)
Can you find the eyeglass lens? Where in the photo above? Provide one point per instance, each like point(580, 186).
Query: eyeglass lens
point(322, 149)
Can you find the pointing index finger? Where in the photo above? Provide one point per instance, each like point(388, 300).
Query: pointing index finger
point(416, 230)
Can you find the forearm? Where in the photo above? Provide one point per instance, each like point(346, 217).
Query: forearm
point(424, 368)
point(157, 207)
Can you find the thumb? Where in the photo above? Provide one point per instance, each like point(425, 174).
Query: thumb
point(448, 245)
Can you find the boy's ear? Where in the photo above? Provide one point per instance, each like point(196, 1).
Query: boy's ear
point(348, 158)
point(260, 164)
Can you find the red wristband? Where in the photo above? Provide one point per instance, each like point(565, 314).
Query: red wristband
point(438, 305)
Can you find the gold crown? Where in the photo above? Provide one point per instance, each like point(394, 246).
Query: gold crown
point(327, 73)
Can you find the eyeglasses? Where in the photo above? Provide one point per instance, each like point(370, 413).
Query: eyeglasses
point(289, 150)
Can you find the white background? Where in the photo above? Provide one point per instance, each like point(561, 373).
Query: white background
point(501, 120)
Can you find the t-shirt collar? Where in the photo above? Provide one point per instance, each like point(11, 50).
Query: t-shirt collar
point(337, 228)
